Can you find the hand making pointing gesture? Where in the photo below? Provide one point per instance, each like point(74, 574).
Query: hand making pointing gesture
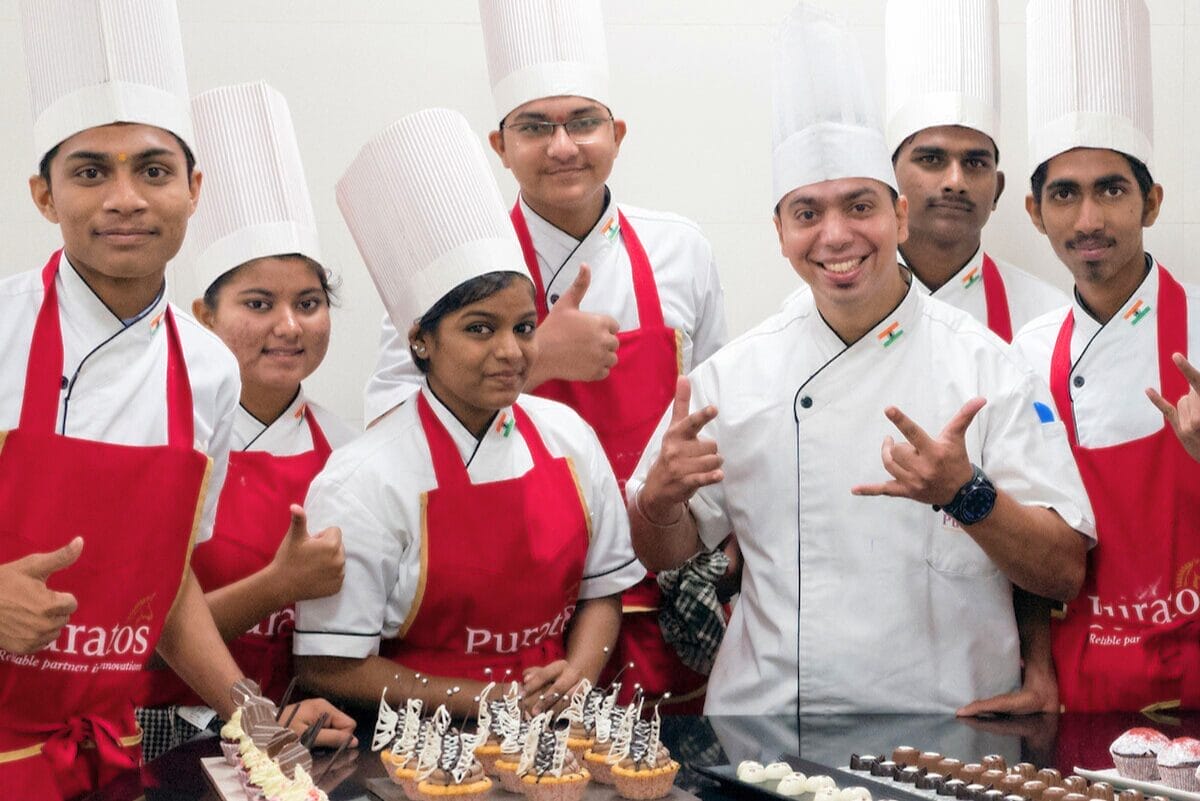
point(926, 469)
point(1184, 416)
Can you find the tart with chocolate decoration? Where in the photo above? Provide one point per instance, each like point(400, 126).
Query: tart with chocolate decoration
point(642, 768)
point(455, 773)
point(609, 720)
point(549, 770)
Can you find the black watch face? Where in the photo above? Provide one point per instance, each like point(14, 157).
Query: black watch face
point(976, 505)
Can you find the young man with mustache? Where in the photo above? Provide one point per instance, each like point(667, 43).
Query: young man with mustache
point(1116, 360)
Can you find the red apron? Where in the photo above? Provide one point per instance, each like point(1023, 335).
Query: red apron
point(624, 409)
point(501, 563)
point(1132, 636)
point(999, 321)
point(66, 712)
point(252, 517)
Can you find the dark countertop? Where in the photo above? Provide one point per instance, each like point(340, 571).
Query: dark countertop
point(1061, 741)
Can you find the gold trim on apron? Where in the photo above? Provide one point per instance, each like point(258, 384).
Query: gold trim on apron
point(587, 514)
point(420, 593)
point(678, 351)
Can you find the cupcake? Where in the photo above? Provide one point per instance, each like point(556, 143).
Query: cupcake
point(231, 737)
point(452, 772)
point(1177, 764)
point(405, 744)
point(549, 769)
point(609, 720)
point(581, 713)
point(512, 743)
point(642, 767)
point(490, 720)
point(1135, 753)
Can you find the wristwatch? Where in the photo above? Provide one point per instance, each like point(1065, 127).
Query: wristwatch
point(974, 500)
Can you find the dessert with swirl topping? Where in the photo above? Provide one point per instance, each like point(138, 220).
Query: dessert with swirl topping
point(549, 770)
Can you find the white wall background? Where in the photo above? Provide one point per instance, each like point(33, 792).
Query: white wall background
point(691, 77)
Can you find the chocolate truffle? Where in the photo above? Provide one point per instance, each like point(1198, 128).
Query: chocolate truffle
point(906, 755)
point(1076, 784)
point(1011, 783)
point(910, 774)
point(863, 762)
point(993, 795)
point(1131, 795)
point(1101, 790)
point(1026, 769)
point(1050, 776)
point(971, 772)
point(1054, 793)
point(950, 787)
point(884, 767)
point(949, 767)
point(1074, 797)
point(930, 781)
point(1033, 789)
point(994, 762)
point(992, 778)
point(929, 760)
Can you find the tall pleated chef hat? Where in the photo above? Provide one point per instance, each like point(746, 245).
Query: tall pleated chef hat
point(256, 200)
point(426, 213)
point(544, 48)
point(1088, 65)
point(943, 66)
point(96, 62)
point(826, 121)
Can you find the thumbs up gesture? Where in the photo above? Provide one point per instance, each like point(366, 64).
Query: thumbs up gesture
point(32, 614)
point(575, 345)
point(308, 565)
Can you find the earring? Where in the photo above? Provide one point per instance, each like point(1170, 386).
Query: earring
point(421, 349)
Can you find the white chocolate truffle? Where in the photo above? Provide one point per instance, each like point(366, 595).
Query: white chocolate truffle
point(854, 794)
point(818, 783)
point(792, 784)
point(751, 771)
point(777, 770)
point(826, 794)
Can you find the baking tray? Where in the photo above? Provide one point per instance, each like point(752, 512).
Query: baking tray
point(1149, 788)
point(726, 776)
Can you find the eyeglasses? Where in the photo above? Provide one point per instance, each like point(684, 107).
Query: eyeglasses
point(581, 130)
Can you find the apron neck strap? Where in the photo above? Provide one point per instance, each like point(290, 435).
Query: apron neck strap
point(1172, 335)
point(448, 466)
point(645, 289)
point(998, 318)
point(1060, 373)
point(44, 374)
point(320, 442)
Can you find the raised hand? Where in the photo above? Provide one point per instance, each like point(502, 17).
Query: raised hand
point(575, 345)
point(686, 462)
point(309, 566)
point(923, 468)
point(32, 614)
point(1184, 417)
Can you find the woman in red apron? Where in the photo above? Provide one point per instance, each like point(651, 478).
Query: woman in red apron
point(255, 259)
point(273, 313)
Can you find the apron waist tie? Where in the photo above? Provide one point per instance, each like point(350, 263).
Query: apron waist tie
point(81, 731)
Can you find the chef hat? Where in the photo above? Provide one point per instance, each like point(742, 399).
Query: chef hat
point(943, 66)
point(544, 48)
point(256, 200)
point(96, 62)
point(1089, 77)
point(826, 122)
point(425, 212)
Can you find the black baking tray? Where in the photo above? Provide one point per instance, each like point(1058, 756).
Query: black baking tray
point(881, 789)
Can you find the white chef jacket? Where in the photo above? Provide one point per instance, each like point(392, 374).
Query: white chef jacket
point(117, 374)
point(1111, 364)
point(372, 489)
point(289, 434)
point(689, 290)
point(1028, 296)
point(853, 604)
